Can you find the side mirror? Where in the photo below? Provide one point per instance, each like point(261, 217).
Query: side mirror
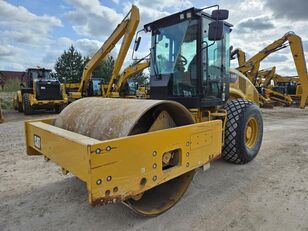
point(137, 43)
point(216, 31)
point(220, 14)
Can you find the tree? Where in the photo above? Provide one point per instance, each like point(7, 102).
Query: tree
point(140, 78)
point(69, 66)
point(104, 69)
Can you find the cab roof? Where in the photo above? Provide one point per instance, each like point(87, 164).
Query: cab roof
point(177, 17)
point(38, 69)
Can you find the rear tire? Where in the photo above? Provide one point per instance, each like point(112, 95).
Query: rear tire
point(19, 107)
point(27, 108)
point(243, 132)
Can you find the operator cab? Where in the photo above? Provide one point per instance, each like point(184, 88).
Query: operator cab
point(46, 86)
point(36, 74)
point(188, 63)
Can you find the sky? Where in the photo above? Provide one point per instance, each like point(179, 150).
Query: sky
point(35, 32)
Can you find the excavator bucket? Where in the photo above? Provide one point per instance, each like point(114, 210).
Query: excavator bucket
point(139, 152)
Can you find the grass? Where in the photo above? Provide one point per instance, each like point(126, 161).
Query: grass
point(6, 95)
point(11, 86)
point(6, 100)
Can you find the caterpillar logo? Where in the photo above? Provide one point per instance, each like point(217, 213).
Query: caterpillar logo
point(37, 141)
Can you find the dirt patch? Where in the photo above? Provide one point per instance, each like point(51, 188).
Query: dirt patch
point(270, 193)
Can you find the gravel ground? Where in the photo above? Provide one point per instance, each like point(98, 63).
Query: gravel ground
point(270, 193)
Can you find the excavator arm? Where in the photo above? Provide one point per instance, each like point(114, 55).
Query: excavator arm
point(126, 30)
point(266, 76)
point(240, 55)
point(251, 67)
point(130, 71)
point(296, 46)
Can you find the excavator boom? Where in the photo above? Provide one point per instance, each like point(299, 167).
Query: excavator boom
point(130, 71)
point(241, 56)
point(126, 30)
point(251, 67)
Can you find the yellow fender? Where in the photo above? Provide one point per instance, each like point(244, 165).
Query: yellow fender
point(17, 99)
point(242, 87)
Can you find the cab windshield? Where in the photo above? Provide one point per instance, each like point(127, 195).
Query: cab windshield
point(175, 52)
point(40, 74)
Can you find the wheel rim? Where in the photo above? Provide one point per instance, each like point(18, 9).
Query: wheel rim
point(251, 132)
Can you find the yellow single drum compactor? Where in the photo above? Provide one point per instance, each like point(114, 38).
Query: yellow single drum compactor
point(144, 152)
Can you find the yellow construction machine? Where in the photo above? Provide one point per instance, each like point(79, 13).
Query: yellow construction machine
point(251, 69)
point(291, 85)
point(71, 87)
point(145, 152)
point(271, 89)
point(126, 30)
point(41, 91)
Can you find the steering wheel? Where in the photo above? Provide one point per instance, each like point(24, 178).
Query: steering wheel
point(182, 60)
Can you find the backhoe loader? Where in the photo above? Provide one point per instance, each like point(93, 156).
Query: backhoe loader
point(273, 90)
point(251, 67)
point(145, 152)
point(41, 91)
point(290, 85)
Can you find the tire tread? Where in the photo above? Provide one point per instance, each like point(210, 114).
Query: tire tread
point(234, 109)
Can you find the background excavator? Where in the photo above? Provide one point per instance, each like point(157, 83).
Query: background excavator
point(115, 87)
point(125, 30)
point(251, 68)
point(145, 152)
point(290, 86)
point(271, 90)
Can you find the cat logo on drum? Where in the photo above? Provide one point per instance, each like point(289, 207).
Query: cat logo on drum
point(37, 141)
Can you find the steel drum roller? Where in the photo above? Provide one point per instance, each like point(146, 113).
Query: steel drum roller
point(106, 118)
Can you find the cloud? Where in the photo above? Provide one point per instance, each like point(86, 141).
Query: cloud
point(305, 45)
point(276, 58)
point(24, 36)
point(91, 18)
point(87, 47)
point(151, 10)
point(50, 57)
point(293, 10)
point(256, 24)
point(64, 42)
point(163, 4)
point(7, 51)
point(19, 25)
point(12, 66)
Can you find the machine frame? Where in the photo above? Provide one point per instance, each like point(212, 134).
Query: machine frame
point(93, 161)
